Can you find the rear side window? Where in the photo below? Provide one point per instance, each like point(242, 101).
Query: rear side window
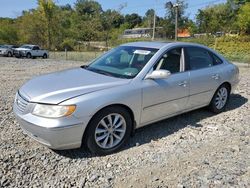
point(35, 48)
point(198, 58)
point(217, 60)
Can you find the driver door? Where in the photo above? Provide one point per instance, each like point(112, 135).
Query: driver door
point(166, 97)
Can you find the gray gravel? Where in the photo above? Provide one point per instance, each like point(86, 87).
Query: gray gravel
point(196, 149)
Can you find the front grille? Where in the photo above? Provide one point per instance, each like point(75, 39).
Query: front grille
point(21, 103)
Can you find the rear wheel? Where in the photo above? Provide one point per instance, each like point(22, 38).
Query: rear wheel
point(9, 54)
point(108, 130)
point(220, 99)
point(45, 56)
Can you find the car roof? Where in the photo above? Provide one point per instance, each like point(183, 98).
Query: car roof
point(9, 45)
point(156, 45)
point(29, 45)
point(159, 45)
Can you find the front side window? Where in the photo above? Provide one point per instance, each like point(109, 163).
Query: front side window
point(123, 61)
point(198, 58)
point(170, 61)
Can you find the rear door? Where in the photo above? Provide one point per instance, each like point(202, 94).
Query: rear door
point(204, 75)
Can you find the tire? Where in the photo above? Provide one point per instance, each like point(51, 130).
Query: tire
point(45, 56)
point(220, 99)
point(29, 55)
point(9, 54)
point(100, 138)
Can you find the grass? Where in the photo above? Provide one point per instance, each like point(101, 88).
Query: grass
point(75, 56)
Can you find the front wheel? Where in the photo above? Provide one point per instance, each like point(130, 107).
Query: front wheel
point(220, 99)
point(28, 55)
point(9, 54)
point(108, 130)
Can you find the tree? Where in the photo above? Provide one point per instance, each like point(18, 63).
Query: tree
point(110, 19)
point(216, 18)
point(170, 19)
point(8, 31)
point(149, 18)
point(243, 18)
point(88, 8)
point(47, 10)
point(133, 20)
point(32, 28)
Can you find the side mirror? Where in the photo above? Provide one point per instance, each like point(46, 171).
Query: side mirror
point(158, 74)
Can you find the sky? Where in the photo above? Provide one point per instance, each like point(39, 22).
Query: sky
point(14, 8)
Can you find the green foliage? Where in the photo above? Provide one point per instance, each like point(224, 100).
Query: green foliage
point(8, 31)
point(67, 44)
point(148, 20)
point(234, 48)
point(216, 18)
point(31, 31)
point(88, 8)
point(244, 18)
point(133, 20)
point(46, 10)
point(59, 27)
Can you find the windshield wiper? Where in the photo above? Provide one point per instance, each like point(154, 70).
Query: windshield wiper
point(98, 71)
point(84, 66)
point(105, 72)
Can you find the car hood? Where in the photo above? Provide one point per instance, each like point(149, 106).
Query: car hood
point(56, 87)
point(23, 49)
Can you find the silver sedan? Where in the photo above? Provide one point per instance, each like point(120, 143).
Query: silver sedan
point(133, 85)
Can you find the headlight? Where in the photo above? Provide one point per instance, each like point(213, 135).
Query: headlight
point(53, 111)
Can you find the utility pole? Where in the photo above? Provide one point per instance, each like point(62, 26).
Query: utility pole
point(153, 35)
point(176, 22)
point(176, 6)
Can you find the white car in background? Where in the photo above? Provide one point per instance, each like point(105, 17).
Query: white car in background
point(7, 50)
point(31, 51)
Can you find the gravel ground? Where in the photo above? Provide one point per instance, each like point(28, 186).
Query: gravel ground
point(196, 149)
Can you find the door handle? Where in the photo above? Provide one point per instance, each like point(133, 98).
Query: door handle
point(184, 83)
point(216, 76)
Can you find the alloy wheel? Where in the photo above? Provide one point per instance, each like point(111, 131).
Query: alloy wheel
point(221, 98)
point(110, 131)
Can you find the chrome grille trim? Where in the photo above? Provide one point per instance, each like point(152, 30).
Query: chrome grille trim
point(21, 103)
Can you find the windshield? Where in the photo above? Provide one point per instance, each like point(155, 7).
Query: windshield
point(123, 61)
point(26, 46)
point(3, 46)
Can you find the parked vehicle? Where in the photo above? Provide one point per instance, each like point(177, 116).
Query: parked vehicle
point(7, 50)
point(31, 51)
point(131, 86)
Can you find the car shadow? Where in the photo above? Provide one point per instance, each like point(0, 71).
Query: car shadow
point(163, 128)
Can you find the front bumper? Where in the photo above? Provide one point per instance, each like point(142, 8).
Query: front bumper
point(3, 53)
point(17, 53)
point(61, 133)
